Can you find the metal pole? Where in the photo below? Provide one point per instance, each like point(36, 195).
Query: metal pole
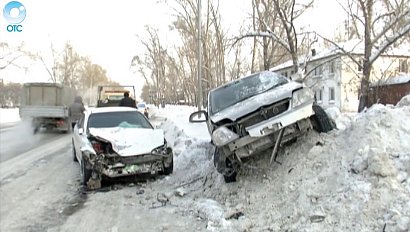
point(199, 58)
point(91, 89)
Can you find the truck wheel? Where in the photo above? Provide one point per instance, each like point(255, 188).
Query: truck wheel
point(224, 166)
point(74, 153)
point(85, 173)
point(320, 120)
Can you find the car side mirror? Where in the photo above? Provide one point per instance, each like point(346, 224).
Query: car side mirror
point(80, 131)
point(202, 116)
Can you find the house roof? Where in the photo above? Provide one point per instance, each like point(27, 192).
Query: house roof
point(354, 46)
point(394, 80)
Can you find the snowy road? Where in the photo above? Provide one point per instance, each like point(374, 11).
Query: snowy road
point(40, 191)
point(17, 139)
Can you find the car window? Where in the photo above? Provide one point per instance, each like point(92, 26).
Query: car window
point(242, 89)
point(118, 119)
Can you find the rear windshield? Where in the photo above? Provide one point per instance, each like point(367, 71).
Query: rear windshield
point(243, 88)
point(141, 105)
point(132, 119)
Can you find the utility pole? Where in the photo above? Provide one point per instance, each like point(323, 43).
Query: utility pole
point(199, 58)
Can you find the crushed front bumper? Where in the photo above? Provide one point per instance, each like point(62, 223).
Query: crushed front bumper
point(132, 165)
point(280, 121)
point(262, 135)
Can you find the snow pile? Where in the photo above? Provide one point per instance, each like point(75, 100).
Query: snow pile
point(405, 101)
point(342, 120)
point(9, 115)
point(352, 179)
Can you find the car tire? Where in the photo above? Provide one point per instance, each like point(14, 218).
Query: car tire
point(224, 166)
point(74, 153)
point(168, 170)
point(85, 173)
point(320, 120)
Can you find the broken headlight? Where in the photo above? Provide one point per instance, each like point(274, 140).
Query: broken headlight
point(301, 96)
point(223, 136)
point(162, 150)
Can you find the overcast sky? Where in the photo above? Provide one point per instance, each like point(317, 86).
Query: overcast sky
point(106, 31)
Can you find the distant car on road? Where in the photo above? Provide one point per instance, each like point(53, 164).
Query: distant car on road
point(111, 142)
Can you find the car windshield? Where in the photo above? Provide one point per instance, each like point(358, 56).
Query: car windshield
point(118, 119)
point(243, 88)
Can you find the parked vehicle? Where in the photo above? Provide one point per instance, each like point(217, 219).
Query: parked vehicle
point(111, 142)
point(111, 95)
point(46, 104)
point(257, 112)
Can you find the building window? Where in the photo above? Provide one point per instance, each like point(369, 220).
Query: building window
point(403, 66)
point(331, 94)
point(319, 95)
point(332, 67)
point(285, 74)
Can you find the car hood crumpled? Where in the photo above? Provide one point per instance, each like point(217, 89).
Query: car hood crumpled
point(130, 141)
point(250, 105)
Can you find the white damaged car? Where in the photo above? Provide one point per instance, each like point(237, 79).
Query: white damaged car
point(254, 113)
point(111, 142)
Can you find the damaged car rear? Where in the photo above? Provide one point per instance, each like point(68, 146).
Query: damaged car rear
point(254, 113)
point(111, 142)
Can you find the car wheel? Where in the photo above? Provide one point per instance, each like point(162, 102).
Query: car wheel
point(74, 153)
point(224, 166)
point(168, 170)
point(85, 173)
point(320, 120)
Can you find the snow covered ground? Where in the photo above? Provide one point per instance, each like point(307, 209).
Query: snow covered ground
point(355, 178)
point(9, 116)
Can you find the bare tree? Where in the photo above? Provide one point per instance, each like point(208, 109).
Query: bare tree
point(172, 73)
point(10, 55)
point(69, 69)
point(278, 24)
point(383, 23)
point(50, 66)
point(152, 65)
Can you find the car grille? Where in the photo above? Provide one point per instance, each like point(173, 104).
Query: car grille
point(139, 159)
point(265, 113)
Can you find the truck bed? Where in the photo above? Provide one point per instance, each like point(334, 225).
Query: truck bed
point(43, 111)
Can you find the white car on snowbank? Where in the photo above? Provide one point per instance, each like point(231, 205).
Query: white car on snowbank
point(256, 112)
point(111, 142)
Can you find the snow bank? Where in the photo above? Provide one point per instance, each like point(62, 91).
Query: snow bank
point(9, 115)
point(352, 179)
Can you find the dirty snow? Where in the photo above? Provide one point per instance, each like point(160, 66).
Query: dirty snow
point(355, 178)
